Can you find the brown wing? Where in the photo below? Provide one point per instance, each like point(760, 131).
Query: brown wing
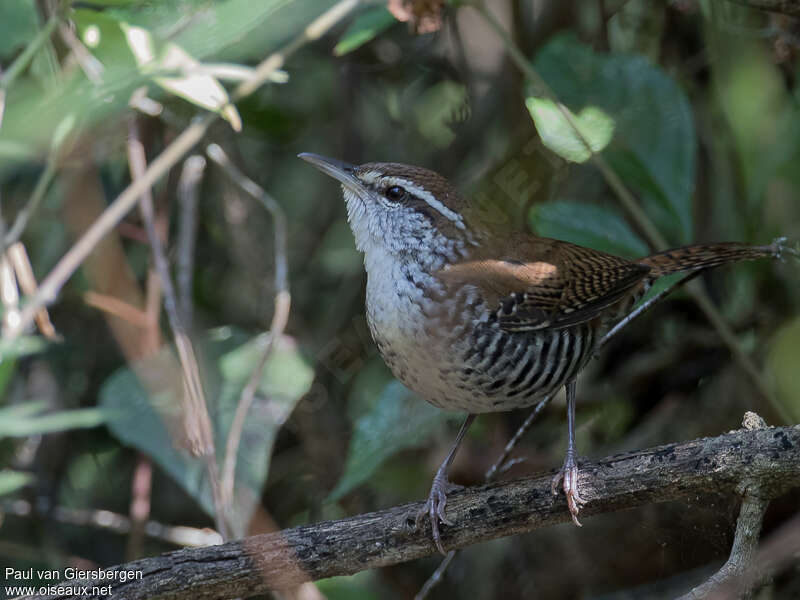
point(537, 283)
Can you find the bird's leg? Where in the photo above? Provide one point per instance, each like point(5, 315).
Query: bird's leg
point(568, 475)
point(434, 507)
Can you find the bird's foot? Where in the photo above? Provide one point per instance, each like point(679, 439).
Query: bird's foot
point(434, 508)
point(567, 477)
point(781, 246)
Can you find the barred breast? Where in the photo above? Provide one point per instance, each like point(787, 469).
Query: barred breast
point(453, 353)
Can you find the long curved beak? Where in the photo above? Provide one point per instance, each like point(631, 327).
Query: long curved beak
point(337, 169)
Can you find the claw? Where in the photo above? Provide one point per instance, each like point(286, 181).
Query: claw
point(780, 246)
point(434, 509)
point(567, 476)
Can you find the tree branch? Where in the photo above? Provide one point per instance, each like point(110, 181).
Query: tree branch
point(745, 541)
point(769, 457)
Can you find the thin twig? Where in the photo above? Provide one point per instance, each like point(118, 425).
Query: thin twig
point(188, 194)
point(172, 154)
point(779, 551)
point(436, 576)
point(643, 308)
point(117, 308)
point(498, 466)
point(217, 154)
point(745, 541)
point(24, 215)
point(141, 491)
point(23, 270)
point(197, 422)
point(91, 66)
point(279, 318)
point(9, 294)
point(110, 521)
point(630, 204)
point(23, 60)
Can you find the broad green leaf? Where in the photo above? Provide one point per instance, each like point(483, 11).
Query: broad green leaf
point(286, 373)
point(147, 420)
point(11, 481)
point(399, 420)
point(23, 421)
point(589, 225)
point(653, 147)
point(781, 367)
point(192, 84)
point(18, 25)
point(364, 28)
point(558, 134)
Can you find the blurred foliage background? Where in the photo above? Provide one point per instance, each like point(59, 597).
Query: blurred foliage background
point(693, 104)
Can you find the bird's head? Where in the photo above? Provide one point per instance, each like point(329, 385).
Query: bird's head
point(399, 209)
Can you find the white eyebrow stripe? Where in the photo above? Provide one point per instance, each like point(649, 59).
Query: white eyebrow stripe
point(369, 177)
point(429, 198)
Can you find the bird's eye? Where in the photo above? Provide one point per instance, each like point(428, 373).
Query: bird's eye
point(394, 193)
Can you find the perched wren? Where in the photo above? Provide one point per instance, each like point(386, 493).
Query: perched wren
point(478, 320)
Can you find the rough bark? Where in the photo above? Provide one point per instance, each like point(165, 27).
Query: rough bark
point(770, 457)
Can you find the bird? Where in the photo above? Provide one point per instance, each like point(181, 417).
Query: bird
point(478, 319)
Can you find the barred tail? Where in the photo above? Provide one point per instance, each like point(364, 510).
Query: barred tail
point(706, 256)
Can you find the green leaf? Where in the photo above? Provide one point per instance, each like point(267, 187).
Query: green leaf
point(589, 225)
point(399, 420)
point(286, 374)
point(23, 421)
point(18, 25)
point(151, 421)
point(558, 134)
point(191, 84)
point(653, 148)
point(364, 28)
point(11, 481)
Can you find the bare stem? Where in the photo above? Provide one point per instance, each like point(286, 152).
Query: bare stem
point(24, 59)
point(110, 521)
point(24, 215)
point(188, 188)
point(745, 541)
point(279, 318)
point(196, 418)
